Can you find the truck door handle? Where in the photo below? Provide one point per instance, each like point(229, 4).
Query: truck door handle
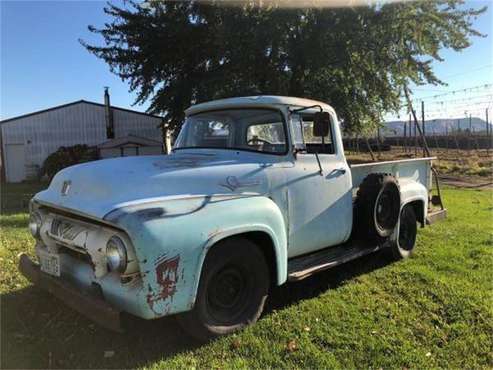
point(335, 171)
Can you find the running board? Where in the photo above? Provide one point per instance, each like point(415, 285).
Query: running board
point(302, 267)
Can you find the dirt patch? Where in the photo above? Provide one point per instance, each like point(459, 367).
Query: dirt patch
point(470, 182)
point(458, 168)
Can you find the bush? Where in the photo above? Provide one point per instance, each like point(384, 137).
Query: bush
point(67, 156)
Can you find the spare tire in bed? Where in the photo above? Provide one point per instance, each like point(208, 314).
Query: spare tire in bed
point(377, 206)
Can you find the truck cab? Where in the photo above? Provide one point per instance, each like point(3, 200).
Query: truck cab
point(256, 192)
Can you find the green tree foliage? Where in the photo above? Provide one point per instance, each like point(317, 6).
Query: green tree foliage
point(67, 156)
point(358, 59)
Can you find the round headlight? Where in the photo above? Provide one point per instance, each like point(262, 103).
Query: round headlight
point(35, 223)
point(116, 254)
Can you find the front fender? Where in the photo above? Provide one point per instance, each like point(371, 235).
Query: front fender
point(171, 239)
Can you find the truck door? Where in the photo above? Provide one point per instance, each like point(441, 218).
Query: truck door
point(320, 204)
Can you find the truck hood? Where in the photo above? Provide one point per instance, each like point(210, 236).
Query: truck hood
point(98, 187)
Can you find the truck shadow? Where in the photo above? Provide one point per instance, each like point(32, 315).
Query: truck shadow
point(38, 331)
point(311, 287)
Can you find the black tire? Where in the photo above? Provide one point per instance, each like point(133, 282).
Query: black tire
point(403, 247)
point(377, 207)
point(233, 288)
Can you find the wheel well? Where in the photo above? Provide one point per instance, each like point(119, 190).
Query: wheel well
point(265, 243)
point(418, 207)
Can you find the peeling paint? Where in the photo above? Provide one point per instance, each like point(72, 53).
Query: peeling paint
point(232, 183)
point(167, 277)
point(213, 233)
point(181, 162)
point(150, 213)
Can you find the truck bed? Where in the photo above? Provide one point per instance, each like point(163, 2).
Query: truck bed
point(416, 169)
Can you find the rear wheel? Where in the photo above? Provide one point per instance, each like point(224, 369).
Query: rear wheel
point(403, 247)
point(377, 207)
point(232, 291)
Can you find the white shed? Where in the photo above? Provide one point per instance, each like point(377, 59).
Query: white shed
point(27, 140)
point(129, 145)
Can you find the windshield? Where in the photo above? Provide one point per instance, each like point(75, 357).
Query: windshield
point(259, 130)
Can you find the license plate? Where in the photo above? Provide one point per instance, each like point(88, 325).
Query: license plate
point(50, 263)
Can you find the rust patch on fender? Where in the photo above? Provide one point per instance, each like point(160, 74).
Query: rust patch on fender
point(213, 233)
point(166, 279)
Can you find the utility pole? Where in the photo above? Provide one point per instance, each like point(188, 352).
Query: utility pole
point(488, 133)
point(415, 136)
point(409, 132)
point(487, 126)
point(405, 135)
point(470, 132)
point(446, 135)
point(423, 124)
point(409, 103)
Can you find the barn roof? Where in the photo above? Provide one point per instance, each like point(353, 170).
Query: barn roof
point(130, 139)
point(75, 103)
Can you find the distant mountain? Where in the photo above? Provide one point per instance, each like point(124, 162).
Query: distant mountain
point(437, 126)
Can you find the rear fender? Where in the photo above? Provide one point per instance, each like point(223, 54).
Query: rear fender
point(414, 192)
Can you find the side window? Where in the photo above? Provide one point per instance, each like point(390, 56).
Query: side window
point(266, 137)
point(296, 124)
point(315, 143)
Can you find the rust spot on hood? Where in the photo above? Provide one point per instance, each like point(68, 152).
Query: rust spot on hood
point(166, 278)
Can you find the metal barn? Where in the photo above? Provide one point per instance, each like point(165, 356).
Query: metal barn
point(27, 140)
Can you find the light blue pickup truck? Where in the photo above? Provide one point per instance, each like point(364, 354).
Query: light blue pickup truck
point(256, 192)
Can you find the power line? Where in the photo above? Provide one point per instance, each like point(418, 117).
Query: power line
point(438, 89)
point(468, 71)
point(483, 86)
point(464, 99)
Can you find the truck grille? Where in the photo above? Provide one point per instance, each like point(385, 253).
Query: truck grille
point(64, 229)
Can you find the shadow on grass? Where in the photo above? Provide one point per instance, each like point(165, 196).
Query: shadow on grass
point(38, 331)
point(317, 284)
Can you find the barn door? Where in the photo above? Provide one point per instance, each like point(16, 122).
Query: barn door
point(15, 162)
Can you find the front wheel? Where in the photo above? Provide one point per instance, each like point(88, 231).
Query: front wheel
point(403, 247)
point(233, 288)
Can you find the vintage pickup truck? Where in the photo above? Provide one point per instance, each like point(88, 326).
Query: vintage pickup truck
point(256, 192)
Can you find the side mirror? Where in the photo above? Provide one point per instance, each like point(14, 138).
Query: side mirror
point(321, 124)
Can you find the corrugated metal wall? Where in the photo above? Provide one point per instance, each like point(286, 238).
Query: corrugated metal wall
point(82, 123)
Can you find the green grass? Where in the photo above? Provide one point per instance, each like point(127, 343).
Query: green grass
point(432, 310)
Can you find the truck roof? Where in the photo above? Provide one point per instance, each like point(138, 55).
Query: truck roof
point(259, 101)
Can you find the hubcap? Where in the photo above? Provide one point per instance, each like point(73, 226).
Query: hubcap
point(384, 210)
point(227, 294)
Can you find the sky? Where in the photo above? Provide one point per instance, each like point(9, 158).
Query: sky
point(42, 63)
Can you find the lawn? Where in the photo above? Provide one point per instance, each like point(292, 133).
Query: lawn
point(432, 310)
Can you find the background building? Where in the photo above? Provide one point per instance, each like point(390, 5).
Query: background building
point(129, 145)
point(27, 140)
